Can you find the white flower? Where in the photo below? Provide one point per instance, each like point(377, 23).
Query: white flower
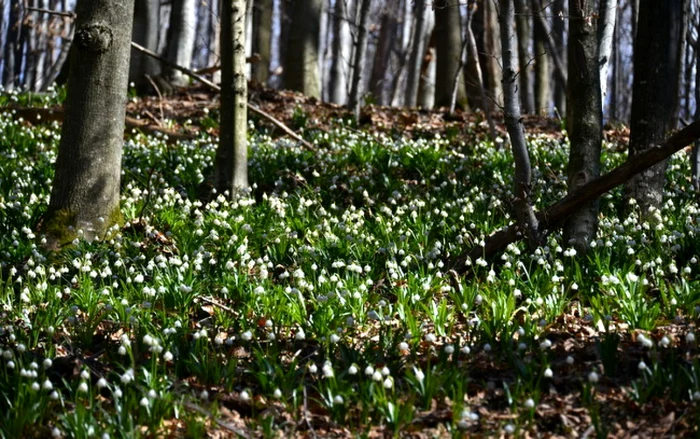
point(101, 383)
point(47, 385)
point(388, 383)
point(593, 377)
point(352, 370)
point(144, 402)
point(337, 400)
point(548, 373)
point(83, 387)
point(247, 336)
point(430, 338)
point(690, 337)
point(529, 403)
point(245, 396)
point(277, 394)
point(642, 365)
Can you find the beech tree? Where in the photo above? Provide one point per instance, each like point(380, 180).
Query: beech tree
point(301, 62)
point(527, 221)
point(584, 119)
point(231, 168)
point(448, 36)
point(181, 36)
point(358, 62)
point(262, 40)
point(145, 32)
point(654, 92)
point(340, 53)
point(85, 192)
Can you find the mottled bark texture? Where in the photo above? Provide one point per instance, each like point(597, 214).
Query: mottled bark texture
point(301, 65)
point(584, 118)
point(606, 33)
point(448, 48)
point(559, 29)
point(262, 40)
point(654, 93)
point(523, 172)
point(85, 192)
point(231, 169)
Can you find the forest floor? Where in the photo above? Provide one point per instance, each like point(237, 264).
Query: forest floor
point(511, 363)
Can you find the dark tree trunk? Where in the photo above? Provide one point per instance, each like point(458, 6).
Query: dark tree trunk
point(301, 66)
point(358, 63)
point(448, 34)
point(654, 92)
point(523, 173)
point(382, 57)
point(85, 192)
point(145, 32)
point(525, 60)
point(262, 40)
point(584, 119)
point(12, 53)
point(231, 171)
point(488, 43)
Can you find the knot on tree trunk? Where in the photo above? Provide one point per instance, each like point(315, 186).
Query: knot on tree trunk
point(94, 37)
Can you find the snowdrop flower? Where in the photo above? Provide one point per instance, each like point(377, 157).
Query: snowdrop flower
point(430, 338)
point(144, 402)
point(593, 377)
point(548, 373)
point(47, 385)
point(690, 337)
point(247, 335)
point(277, 394)
point(245, 396)
point(529, 403)
point(642, 366)
point(83, 387)
point(338, 400)
point(665, 342)
point(388, 383)
point(352, 370)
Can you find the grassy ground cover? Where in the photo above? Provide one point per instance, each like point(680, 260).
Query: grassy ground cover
point(322, 304)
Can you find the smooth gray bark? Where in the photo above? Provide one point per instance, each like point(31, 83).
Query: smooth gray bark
point(301, 60)
point(523, 172)
point(695, 162)
point(525, 59)
point(654, 93)
point(488, 43)
point(145, 32)
point(88, 168)
point(606, 29)
point(379, 78)
point(262, 40)
point(543, 84)
point(340, 53)
point(13, 53)
point(181, 36)
point(426, 86)
point(358, 63)
point(584, 119)
point(448, 54)
point(231, 170)
point(559, 29)
point(418, 50)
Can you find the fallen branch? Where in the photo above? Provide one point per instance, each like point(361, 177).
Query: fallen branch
point(555, 215)
point(36, 116)
point(217, 89)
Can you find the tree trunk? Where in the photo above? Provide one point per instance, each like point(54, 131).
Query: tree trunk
point(181, 36)
point(473, 75)
point(613, 110)
point(584, 119)
point(448, 52)
point(301, 62)
point(426, 86)
point(341, 52)
point(488, 43)
point(215, 40)
point(85, 192)
point(262, 40)
point(606, 29)
point(542, 74)
point(145, 33)
point(695, 163)
point(559, 22)
point(13, 60)
point(418, 50)
point(231, 170)
point(382, 57)
point(358, 63)
point(525, 76)
point(523, 173)
point(654, 93)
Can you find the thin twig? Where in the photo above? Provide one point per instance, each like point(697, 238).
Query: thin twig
point(306, 417)
point(69, 14)
point(160, 95)
point(221, 423)
point(216, 88)
point(217, 304)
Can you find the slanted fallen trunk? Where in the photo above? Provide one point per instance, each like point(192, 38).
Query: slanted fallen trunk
point(554, 216)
